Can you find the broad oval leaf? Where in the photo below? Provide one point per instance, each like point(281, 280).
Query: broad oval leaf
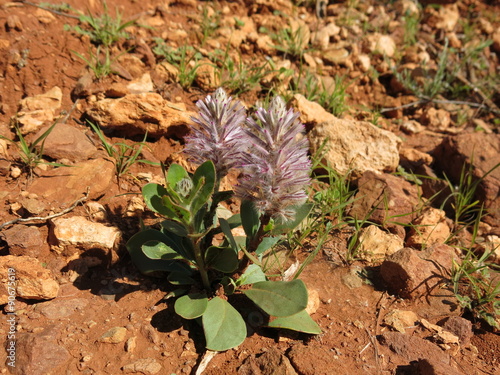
point(153, 196)
point(175, 174)
point(191, 306)
point(301, 213)
point(142, 262)
point(175, 228)
point(253, 274)
point(279, 298)
point(222, 259)
point(154, 249)
point(223, 325)
point(205, 173)
point(300, 322)
point(266, 244)
point(180, 278)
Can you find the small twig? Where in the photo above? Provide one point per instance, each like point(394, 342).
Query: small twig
point(207, 357)
point(440, 101)
point(44, 218)
point(50, 10)
point(412, 104)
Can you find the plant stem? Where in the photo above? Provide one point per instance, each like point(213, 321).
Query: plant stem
point(200, 262)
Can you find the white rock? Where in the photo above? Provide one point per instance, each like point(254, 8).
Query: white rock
point(356, 146)
point(429, 228)
point(321, 39)
point(36, 111)
point(375, 244)
point(400, 319)
point(33, 281)
point(310, 112)
point(364, 62)
point(383, 44)
point(80, 232)
point(141, 85)
point(445, 18)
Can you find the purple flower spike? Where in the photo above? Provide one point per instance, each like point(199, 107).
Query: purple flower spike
point(219, 135)
point(276, 167)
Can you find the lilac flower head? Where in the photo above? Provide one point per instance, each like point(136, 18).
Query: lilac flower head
point(276, 166)
point(218, 137)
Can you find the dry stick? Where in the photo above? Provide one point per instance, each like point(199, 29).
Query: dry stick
point(44, 218)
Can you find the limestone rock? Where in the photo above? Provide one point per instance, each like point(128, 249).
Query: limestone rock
point(321, 38)
point(310, 112)
point(400, 320)
point(115, 335)
point(385, 199)
point(374, 245)
point(85, 234)
point(36, 111)
point(139, 113)
point(445, 17)
point(40, 354)
point(411, 273)
point(356, 146)
point(67, 184)
point(146, 366)
point(436, 119)
point(206, 76)
point(141, 85)
point(67, 142)
point(33, 281)
point(428, 229)
point(460, 327)
point(382, 44)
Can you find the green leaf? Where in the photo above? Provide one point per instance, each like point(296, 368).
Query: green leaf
point(253, 274)
point(223, 325)
point(180, 278)
point(267, 243)
point(279, 298)
point(175, 174)
point(179, 212)
point(226, 229)
point(153, 196)
point(159, 250)
point(191, 306)
point(249, 218)
point(205, 172)
point(301, 322)
point(145, 264)
point(222, 259)
point(175, 228)
point(301, 213)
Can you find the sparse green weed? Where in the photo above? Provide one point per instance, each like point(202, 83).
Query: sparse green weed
point(124, 155)
point(100, 65)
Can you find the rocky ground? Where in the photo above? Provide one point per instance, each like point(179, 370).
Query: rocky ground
point(404, 97)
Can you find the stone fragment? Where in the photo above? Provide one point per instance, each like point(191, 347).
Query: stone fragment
point(131, 344)
point(206, 76)
point(114, 335)
point(85, 234)
point(33, 281)
point(271, 361)
point(436, 119)
point(146, 366)
point(444, 18)
point(364, 62)
point(412, 127)
point(141, 85)
point(414, 158)
point(96, 211)
point(139, 113)
point(165, 72)
point(355, 146)
point(39, 353)
point(313, 301)
point(44, 16)
point(13, 23)
point(460, 327)
point(386, 200)
point(67, 142)
point(335, 56)
point(61, 308)
point(400, 320)
point(441, 335)
point(475, 153)
point(321, 38)
point(23, 240)
point(374, 245)
point(428, 228)
point(310, 112)
point(67, 184)
point(406, 7)
point(36, 111)
point(324, 358)
point(413, 348)
point(410, 273)
point(381, 44)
